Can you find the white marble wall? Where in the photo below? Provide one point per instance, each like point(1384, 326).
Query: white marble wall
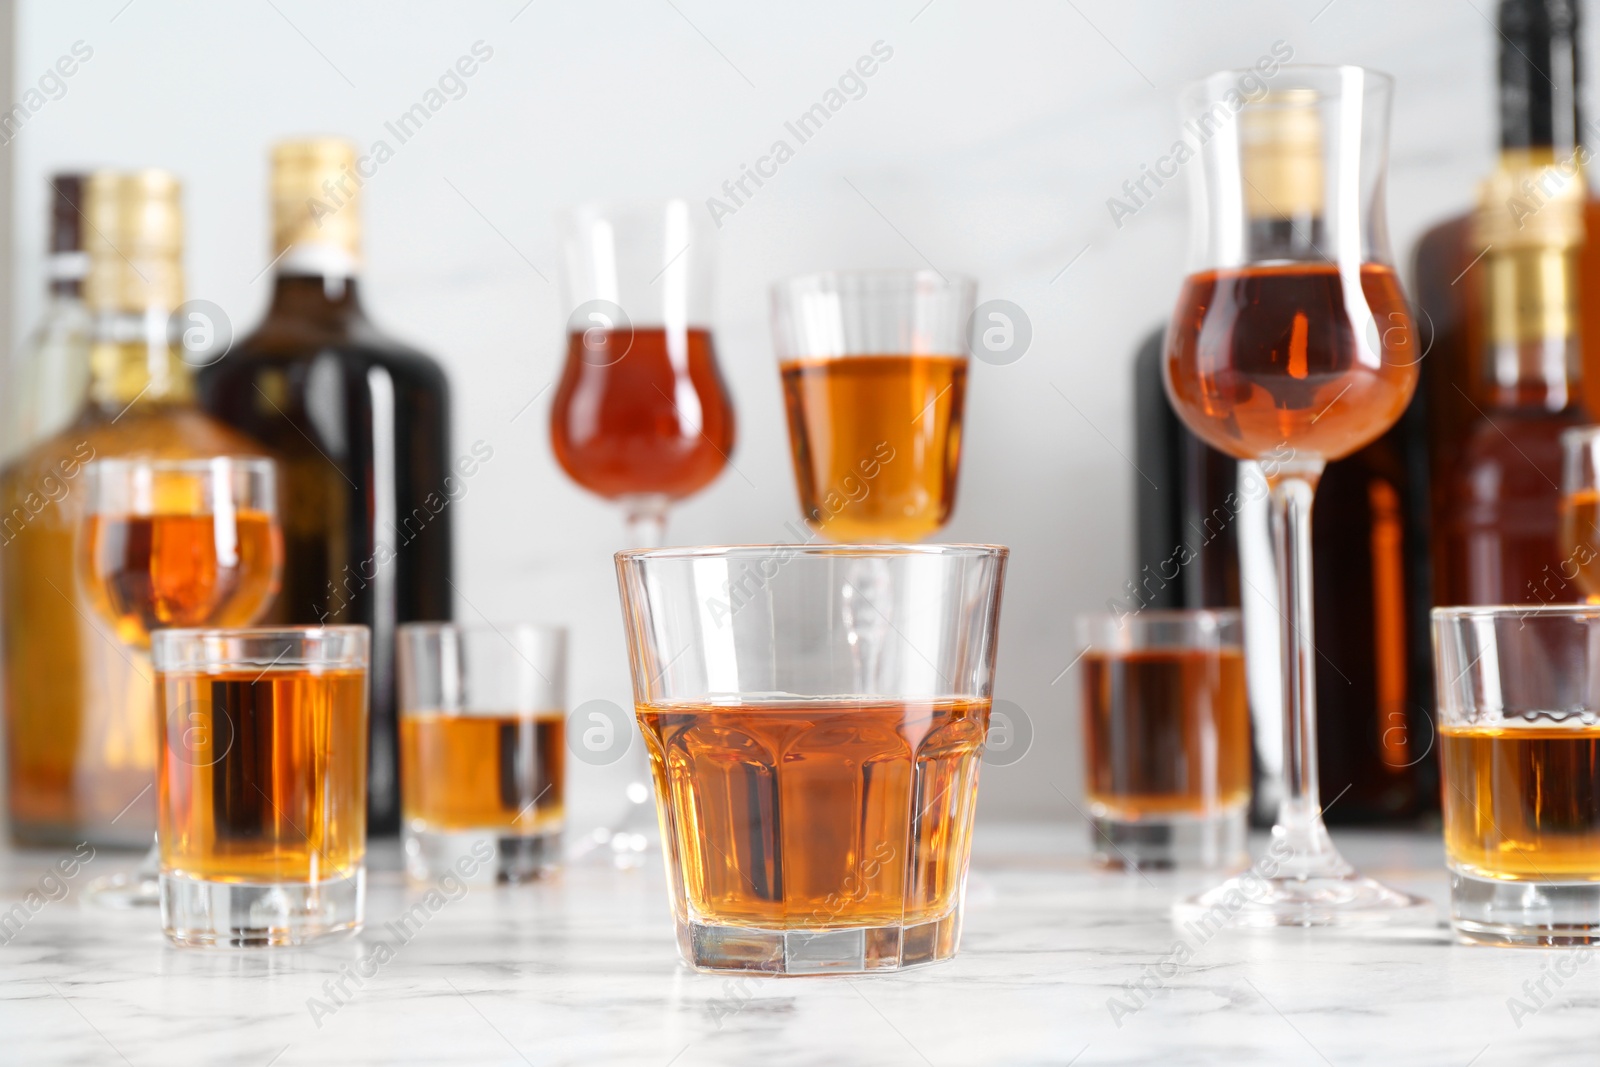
point(988, 144)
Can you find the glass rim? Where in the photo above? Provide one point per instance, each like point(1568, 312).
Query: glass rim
point(1306, 71)
point(171, 639)
point(824, 279)
point(1513, 611)
point(258, 464)
point(762, 551)
point(543, 629)
point(1157, 615)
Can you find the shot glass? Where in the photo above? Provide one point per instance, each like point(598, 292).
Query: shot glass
point(482, 749)
point(814, 716)
point(1166, 730)
point(262, 776)
point(1519, 740)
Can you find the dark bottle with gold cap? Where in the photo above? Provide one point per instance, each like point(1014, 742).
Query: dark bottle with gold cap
point(360, 424)
point(80, 730)
point(1507, 379)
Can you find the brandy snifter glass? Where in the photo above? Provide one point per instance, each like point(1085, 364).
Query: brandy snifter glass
point(815, 717)
point(1292, 345)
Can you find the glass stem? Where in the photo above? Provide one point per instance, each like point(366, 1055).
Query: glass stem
point(647, 519)
point(1299, 822)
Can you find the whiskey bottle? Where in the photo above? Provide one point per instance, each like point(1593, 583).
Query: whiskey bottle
point(80, 732)
point(360, 424)
point(1502, 286)
point(50, 376)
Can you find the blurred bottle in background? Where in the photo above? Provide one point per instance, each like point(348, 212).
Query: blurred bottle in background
point(50, 374)
point(360, 426)
point(1501, 285)
point(80, 730)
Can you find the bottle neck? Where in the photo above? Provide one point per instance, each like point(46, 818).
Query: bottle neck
point(133, 363)
point(1539, 75)
point(316, 283)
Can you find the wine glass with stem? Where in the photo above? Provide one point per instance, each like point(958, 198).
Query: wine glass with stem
point(1292, 345)
point(641, 415)
point(175, 543)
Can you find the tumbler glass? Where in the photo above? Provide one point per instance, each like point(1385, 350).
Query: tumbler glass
point(1519, 739)
point(482, 749)
point(262, 776)
point(815, 716)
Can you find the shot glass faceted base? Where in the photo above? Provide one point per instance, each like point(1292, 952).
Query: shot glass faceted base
point(511, 858)
point(254, 914)
point(1492, 911)
point(844, 951)
point(1215, 842)
point(1249, 901)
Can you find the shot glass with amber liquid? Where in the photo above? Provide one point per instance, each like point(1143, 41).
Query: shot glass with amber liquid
point(262, 783)
point(1519, 742)
point(482, 749)
point(1166, 729)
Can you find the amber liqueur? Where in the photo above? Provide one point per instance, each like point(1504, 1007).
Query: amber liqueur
point(260, 772)
point(81, 742)
point(477, 771)
point(642, 412)
point(875, 799)
point(1167, 732)
point(876, 442)
point(360, 427)
point(1522, 801)
point(1504, 289)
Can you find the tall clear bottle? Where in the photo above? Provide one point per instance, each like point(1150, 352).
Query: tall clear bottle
point(50, 375)
point(360, 425)
point(80, 734)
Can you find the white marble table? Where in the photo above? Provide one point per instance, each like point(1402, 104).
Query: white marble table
point(582, 970)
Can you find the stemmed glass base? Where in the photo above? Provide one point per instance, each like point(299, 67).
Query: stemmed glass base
point(138, 888)
point(1301, 881)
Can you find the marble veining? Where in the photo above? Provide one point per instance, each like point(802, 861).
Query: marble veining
point(1059, 964)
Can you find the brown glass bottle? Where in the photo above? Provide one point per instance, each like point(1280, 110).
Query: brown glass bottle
point(360, 424)
point(80, 726)
point(1367, 552)
point(1506, 382)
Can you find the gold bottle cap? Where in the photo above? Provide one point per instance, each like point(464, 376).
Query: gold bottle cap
point(134, 240)
point(1280, 148)
point(316, 199)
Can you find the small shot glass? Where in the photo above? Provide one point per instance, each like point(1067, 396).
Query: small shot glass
point(1519, 741)
point(262, 776)
point(482, 749)
point(1166, 729)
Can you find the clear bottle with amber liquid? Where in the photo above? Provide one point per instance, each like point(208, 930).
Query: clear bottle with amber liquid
point(80, 728)
point(360, 426)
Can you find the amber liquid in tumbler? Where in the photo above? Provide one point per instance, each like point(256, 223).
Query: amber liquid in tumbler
point(482, 772)
point(642, 412)
point(876, 442)
point(1166, 732)
point(819, 813)
point(1522, 799)
point(263, 774)
point(1271, 362)
point(151, 571)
